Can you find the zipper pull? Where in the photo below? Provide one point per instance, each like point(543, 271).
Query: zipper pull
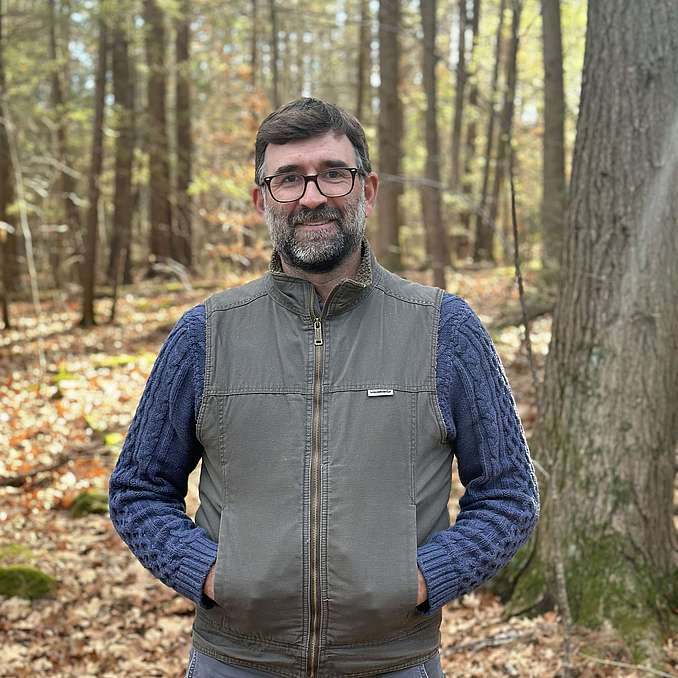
point(318, 329)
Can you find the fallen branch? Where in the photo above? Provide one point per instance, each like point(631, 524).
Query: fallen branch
point(20, 479)
point(493, 641)
point(623, 665)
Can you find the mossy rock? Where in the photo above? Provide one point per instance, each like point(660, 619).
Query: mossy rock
point(25, 582)
point(89, 501)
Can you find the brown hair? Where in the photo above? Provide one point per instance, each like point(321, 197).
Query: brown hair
point(304, 118)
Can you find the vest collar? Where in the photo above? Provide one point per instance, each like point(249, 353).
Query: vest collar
point(298, 295)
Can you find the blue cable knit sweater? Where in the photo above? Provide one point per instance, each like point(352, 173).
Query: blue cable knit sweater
point(498, 510)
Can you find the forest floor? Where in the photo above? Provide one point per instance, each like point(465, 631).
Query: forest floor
point(108, 616)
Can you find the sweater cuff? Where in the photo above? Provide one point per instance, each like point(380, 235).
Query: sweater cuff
point(194, 568)
point(434, 562)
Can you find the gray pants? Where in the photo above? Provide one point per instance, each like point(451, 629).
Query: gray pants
point(203, 666)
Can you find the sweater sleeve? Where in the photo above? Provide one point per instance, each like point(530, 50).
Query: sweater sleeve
point(500, 505)
point(148, 486)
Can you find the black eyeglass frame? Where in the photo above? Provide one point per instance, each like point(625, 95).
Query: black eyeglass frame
point(314, 178)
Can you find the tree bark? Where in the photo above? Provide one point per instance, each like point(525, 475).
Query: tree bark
point(608, 429)
point(67, 183)
point(390, 135)
point(161, 235)
point(554, 197)
point(363, 74)
point(275, 91)
point(438, 252)
point(7, 234)
point(123, 93)
point(460, 88)
point(505, 127)
point(89, 266)
point(184, 137)
point(484, 227)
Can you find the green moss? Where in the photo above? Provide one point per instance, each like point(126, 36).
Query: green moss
point(25, 582)
point(12, 554)
point(89, 501)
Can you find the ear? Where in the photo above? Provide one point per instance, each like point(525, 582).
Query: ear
point(371, 190)
point(258, 198)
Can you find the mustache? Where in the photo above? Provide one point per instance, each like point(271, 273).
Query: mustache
point(305, 215)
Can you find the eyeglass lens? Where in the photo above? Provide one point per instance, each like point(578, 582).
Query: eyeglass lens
point(332, 183)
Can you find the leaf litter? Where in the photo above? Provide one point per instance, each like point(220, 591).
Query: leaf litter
point(108, 616)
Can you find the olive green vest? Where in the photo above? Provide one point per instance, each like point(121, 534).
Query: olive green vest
point(325, 465)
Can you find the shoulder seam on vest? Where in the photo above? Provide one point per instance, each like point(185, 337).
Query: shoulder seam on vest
point(410, 300)
point(235, 304)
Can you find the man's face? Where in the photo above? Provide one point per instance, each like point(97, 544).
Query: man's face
point(315, 233)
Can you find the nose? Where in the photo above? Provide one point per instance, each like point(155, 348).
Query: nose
point(312, 196)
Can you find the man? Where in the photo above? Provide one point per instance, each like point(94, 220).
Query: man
point(326, 400)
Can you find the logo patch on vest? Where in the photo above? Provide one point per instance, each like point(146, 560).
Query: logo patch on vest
point(375, 392)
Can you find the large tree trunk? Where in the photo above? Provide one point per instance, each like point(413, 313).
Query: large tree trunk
point(484, 226)
point(390, 135)
point(438, 250)
point(460, 88)
point(123, 93)
point(183, 137)
point(89, 266)
point(67, 182)
point(7, 236)
point(161, 240)
point(608, 430)
point(554, 197)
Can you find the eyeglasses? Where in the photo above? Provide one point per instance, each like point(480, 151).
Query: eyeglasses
point(332, 183)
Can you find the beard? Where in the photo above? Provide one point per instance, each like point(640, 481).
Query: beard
point(321, 250)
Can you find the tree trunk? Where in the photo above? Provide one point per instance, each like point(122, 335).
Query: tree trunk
point(123, 92)
point(67, 185)
point(611, 384)
point(460, 88)
point(363, 74)
point(7, 234)
point(254, 45)
point(89, 266)
point(390, 135)
point(505, 127)
point(184, 137)
point(438, 253)
point(161, 240)
point(554, 197)
point(472, 112)
point(275, 91)
point(484, 227)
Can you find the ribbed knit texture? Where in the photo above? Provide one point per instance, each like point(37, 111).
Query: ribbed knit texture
point(498, 510)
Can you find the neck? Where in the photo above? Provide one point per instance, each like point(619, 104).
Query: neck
point(325, 282)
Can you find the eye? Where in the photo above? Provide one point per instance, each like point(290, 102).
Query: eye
point(289, 179)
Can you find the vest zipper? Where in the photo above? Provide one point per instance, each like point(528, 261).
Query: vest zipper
point(315, 593)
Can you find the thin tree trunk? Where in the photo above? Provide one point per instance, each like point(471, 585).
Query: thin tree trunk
point(184, 137)
point(390, 134)
point(554, 197)
point(504, 133)
point(67, 185)
point(363, 75)
point(89, 267)
point(161, 240)
point(608, 416)
point(484, 226)
point(430, 192)
point(7, 234)
point(254, 44)
point(472, 113)
point(123, 92)
point(460, 88)
point(275, 91)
